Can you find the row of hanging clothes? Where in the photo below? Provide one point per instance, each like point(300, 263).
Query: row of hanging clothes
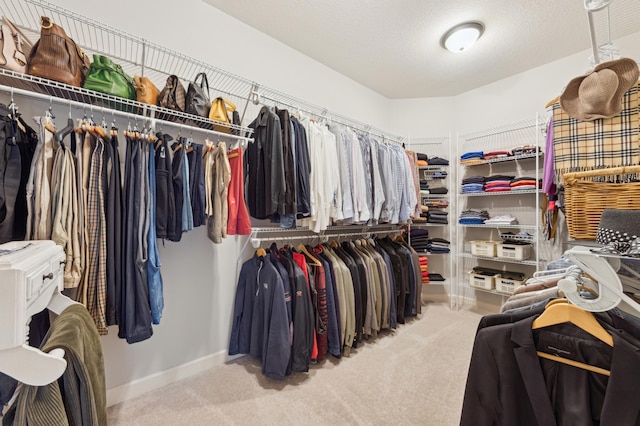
point(70, 186)
point(309, 173)
point(294, 306)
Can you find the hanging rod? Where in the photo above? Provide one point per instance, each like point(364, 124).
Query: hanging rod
point(323, 237)
point(256, 241)
point(326, 115)
point(154, 121)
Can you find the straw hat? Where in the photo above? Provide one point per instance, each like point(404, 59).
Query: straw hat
point(598, 93)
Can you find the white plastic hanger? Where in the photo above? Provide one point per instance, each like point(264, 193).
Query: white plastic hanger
point(28, 364)
point(600, 268)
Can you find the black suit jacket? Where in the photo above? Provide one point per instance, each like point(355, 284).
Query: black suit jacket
point(509, 385)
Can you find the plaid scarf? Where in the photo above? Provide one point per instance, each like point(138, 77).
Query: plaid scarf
point(598, 144)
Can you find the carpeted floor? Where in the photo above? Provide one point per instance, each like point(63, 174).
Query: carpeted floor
point(415, 375)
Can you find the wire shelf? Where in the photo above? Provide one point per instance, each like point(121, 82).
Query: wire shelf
point(489, 194)
point(504, 159)
point(500, 259)
point(435, 167)
point(499, 226)
point(518, 237)
point(80, 95)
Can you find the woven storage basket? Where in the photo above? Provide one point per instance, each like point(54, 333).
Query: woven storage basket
point(585, 200)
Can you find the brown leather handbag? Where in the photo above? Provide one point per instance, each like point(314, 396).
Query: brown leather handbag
point(57, 57)
point(146, 91)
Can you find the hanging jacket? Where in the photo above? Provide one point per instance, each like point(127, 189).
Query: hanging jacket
point(303, 169)
point(265, 167)
point(260, 324)
point(302, 314)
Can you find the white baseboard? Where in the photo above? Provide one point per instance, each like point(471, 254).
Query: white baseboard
point(146, 384)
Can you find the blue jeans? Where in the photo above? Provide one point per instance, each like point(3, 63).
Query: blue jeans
point(154, 278)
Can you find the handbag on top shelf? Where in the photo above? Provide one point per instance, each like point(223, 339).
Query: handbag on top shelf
point(146, 91)
point(173, 96)
point(57, 57)
point(197, 100)
point(220, 109)
point(15, 47)
point(105, 76)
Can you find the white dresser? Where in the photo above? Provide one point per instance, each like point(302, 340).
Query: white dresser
point(31, 278)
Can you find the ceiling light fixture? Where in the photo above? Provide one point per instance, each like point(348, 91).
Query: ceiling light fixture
point(462, 36)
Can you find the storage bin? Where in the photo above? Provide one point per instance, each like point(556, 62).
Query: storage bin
point(485, 282)
point(514, 251)
point(506, 285)
point(483, 248)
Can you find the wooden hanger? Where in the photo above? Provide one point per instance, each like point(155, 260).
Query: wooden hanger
point(261, 252)
point(334, 244)
point(552, 101)
point(560, 311)
point(312, 259)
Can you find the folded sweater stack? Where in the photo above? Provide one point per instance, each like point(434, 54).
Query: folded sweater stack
point(524, 184)
point(473, 184)
point(498, 183)
point(419, 239)
point(471, 157)
point(473, 217)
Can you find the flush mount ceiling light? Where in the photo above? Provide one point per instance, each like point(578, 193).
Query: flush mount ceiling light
point(462, 36)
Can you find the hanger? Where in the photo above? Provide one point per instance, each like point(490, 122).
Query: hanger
point(261, 252)
point(560, 311)
point(552, 101)
point(312, 259)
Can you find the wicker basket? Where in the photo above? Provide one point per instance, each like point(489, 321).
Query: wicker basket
point(585, 200)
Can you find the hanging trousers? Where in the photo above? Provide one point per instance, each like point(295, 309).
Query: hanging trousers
point(10, 173)
point(154, 278)
point(135, 315)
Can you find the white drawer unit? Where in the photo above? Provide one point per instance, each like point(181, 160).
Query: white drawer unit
point(31, 278)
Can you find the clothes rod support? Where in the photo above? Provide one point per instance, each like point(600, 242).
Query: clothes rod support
point(68, 102)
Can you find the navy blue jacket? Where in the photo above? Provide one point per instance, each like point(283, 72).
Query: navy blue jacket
point(260, 320)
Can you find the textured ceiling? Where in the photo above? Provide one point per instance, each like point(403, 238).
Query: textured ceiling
point(393, 46)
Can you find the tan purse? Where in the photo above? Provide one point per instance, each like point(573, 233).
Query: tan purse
point(14, 47)
point(220, 109)
point(147, 92)
point(57, 57)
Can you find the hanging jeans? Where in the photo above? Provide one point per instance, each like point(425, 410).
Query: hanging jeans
point(154, 278)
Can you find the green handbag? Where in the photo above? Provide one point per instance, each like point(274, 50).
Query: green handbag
point(105, 76)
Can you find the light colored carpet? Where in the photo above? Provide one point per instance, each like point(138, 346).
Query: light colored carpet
point(415, 375)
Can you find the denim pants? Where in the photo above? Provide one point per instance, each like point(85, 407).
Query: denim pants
point(154, 278)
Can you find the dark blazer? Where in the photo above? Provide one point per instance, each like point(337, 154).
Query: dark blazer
point(508, 384)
